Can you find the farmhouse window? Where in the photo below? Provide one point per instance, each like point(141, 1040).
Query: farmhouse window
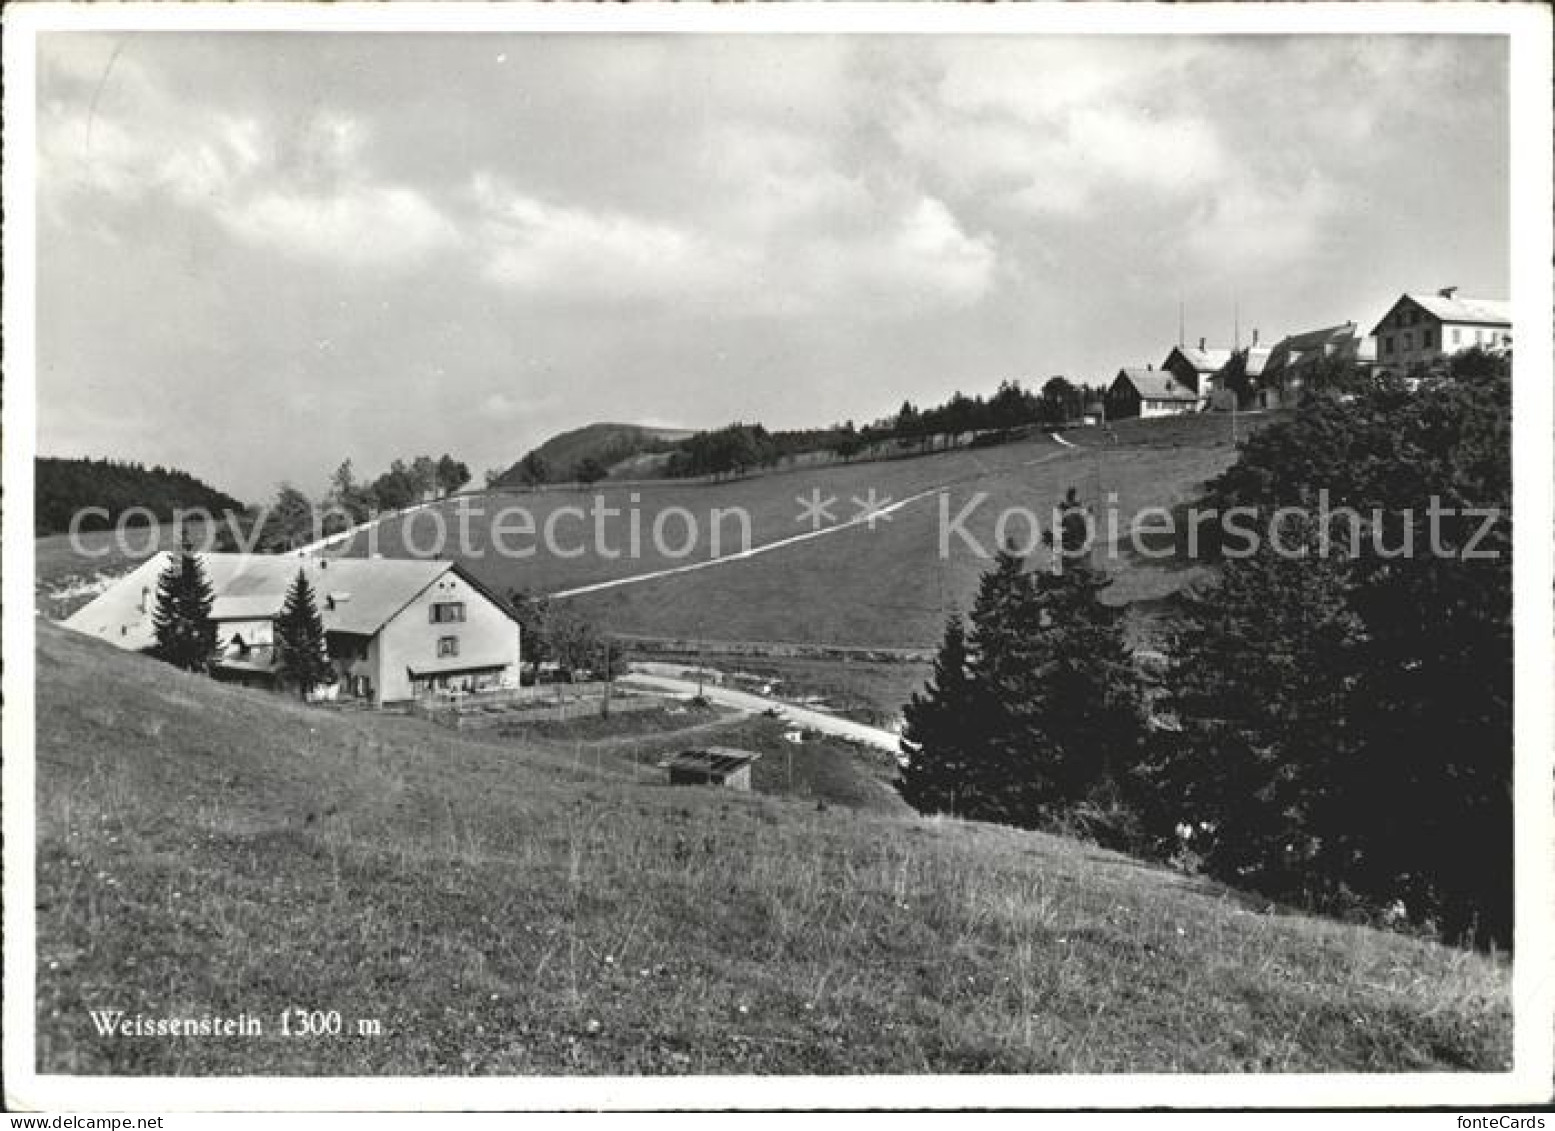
point(447, 646)
point(1426, 338)
point(448, 612)
point(1387, 343)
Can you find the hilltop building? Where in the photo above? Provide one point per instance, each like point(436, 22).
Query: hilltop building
point(1149, 392)
point(1423, 329)
point(1296, 357)
point(396, 629)
point(1195, 368)
point(1253, 360)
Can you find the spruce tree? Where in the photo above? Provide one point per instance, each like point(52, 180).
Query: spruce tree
point(185, 633)
point(1006, 664)
point(302, 659)
point(1262, 680)
point(1095, 716)
point(939, 741)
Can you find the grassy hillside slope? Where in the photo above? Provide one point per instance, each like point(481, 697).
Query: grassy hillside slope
point(888, 586)
point(545, 905)
point(72, 569)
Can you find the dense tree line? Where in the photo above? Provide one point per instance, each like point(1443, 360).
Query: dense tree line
point(401, 485)
point(292, 519)
point(739, 448)
point(735, 449)
point(65, 487)
point(1060, 402)
point(1335, 722)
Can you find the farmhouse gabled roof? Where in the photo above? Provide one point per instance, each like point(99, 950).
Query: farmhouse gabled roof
point(1203, 361)
point(1257, 358)
point(1452, 308)
point(1156, 385)
point(1295, 349)
point(354, 595)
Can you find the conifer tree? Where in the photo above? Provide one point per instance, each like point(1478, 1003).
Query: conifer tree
point(1095, 716)
point(302, 659)
point(1031, 712)
point(1006, 663)
point(1266, 754)
point(185, 633)
point(939, 743)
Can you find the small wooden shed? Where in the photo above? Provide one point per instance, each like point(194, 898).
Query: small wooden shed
point(711, 765)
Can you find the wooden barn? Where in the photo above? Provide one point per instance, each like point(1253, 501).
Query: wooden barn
point(711, 765)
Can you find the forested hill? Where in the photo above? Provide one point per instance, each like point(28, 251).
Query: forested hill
point(606, 443)
point(65, 486)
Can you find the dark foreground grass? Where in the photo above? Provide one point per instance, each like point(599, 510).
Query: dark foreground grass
point(516, 907)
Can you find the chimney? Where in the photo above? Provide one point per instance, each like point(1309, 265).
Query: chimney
point(1201, 345)
point(1255, 335)
point(1447, 292)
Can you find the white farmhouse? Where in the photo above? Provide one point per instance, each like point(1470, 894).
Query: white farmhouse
point(1422, 329)
point(397, 629)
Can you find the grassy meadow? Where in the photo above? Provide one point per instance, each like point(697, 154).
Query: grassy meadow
point(546, 903)
point(71, 571)
point(888, 586)
point(884, 587)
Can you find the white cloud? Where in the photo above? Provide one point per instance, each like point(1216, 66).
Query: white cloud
point(309, 194)
point(532, 245)
point(794, 249)
point(357, 224)
point(501, 406)
point(924, 255)
point(1035, 78)
point(1271, 223)
point(1058, 154)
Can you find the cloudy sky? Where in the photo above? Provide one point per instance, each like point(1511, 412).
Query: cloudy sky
point(260, 253)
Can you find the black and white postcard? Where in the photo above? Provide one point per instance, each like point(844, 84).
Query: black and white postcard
point(581, 557)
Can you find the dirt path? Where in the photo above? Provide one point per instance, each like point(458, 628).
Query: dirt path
point(755, 704)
